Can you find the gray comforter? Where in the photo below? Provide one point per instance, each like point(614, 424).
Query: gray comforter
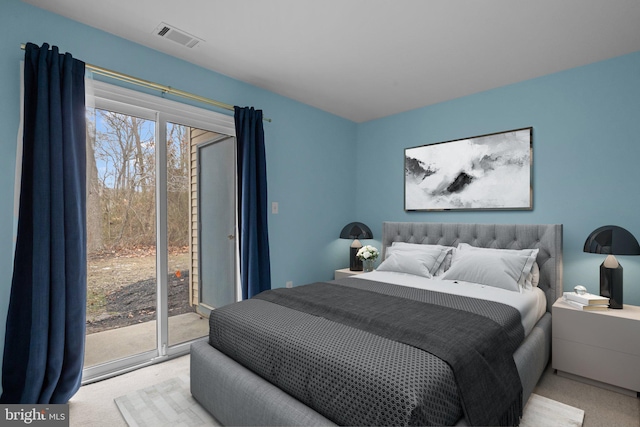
point(368, 353)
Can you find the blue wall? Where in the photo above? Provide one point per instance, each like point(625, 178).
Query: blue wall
point(585, 147)
point(586, 151)
point(308, 150)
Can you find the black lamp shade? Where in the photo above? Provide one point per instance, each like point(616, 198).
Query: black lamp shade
point(611, 240)
point(355, 231)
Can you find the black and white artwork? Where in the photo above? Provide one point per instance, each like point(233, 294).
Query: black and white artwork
point(484, 172)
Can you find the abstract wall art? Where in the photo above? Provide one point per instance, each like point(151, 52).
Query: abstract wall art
point(483, 172)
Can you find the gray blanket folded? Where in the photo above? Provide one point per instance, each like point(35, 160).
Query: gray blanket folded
point(476, 347)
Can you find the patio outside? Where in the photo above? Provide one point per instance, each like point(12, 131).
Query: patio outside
point(121, 303)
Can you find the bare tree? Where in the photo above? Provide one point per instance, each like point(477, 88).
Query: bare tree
point(94, 212)
point(178, 184)
point(122, 177)
point(125, 149)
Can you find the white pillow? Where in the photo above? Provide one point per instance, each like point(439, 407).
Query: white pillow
point(412, 262)
point(438, 252)
point(445, 264)
point(525, 279)
point(535, 275)
point(487, 268)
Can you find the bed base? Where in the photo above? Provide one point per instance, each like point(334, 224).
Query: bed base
point(235, 395)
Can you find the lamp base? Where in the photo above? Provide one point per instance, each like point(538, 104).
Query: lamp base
point(355, 264)
point(611, 285)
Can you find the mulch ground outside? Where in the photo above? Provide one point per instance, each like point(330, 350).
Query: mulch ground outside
point(136, 303)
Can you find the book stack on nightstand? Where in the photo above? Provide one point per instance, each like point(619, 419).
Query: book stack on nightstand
point(588, 302)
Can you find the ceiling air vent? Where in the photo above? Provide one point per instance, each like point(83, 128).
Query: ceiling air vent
point(172, 33)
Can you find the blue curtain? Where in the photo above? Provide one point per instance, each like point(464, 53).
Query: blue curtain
point(255, 270)
point(44, 342)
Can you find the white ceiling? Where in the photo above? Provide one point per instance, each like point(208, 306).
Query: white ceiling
point(366, 59)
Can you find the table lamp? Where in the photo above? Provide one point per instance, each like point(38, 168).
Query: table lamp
point(611, 240)
point(355, 231)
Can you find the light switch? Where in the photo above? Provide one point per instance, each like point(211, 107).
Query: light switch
point(274, 207)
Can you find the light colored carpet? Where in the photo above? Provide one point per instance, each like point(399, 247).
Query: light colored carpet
point(542, 411)
point(94, 405)
point(170, 404)
point(603, 408)
point(166, 404)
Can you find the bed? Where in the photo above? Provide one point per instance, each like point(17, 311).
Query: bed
point(237, 395)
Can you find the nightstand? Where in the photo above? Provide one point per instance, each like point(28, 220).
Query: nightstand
point(345, 272)
point(603, 346)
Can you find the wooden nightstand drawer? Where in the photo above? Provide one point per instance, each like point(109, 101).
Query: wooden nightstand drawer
point(598, 345)
point(600, 364)
point(607, 329)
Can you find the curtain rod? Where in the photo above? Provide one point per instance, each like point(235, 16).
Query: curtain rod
point(156, 86)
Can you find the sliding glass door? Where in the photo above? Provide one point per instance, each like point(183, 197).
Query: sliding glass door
point(121, 234)
point(145, 287)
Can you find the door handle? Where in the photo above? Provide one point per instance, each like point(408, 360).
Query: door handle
point(231, 237)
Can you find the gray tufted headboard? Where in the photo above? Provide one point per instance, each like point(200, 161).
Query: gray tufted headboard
point(546, 237)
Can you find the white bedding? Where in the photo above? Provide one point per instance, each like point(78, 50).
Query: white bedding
point(531, 304)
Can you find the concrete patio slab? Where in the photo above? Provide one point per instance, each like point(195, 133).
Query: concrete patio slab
point(127, 341)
